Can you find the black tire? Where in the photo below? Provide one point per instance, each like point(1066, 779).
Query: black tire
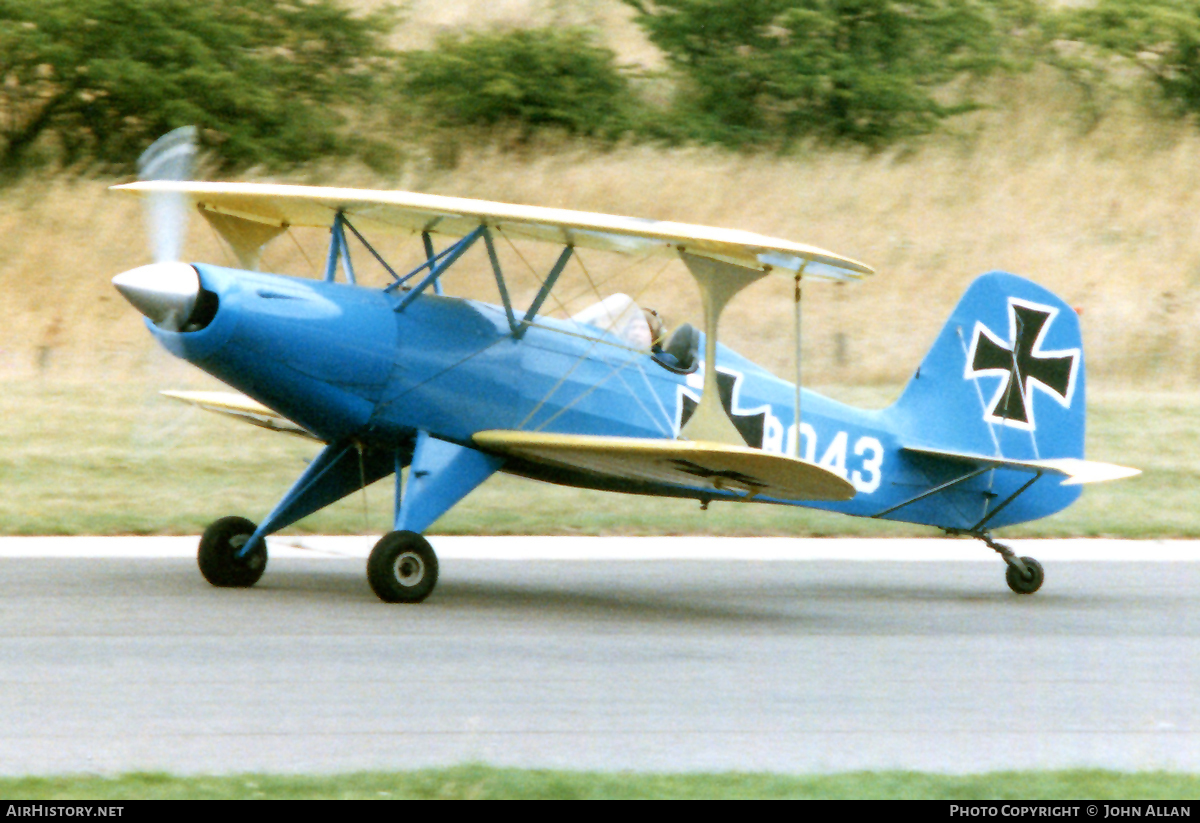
point(402, 568)
point(218, 558)
point(1025, 585)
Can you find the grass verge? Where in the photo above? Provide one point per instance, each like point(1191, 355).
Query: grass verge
point(117, 458)
point(486, 782)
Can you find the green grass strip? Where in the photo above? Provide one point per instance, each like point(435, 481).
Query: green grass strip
point(479, 781)
point(117, 458)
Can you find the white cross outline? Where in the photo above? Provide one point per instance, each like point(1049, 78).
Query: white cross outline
point(686, 389)
point(1006, 375)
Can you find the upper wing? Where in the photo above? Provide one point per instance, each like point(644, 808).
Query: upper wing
point(282, 206)
point(683, 463)
point(241, 407)
point(1076, 471)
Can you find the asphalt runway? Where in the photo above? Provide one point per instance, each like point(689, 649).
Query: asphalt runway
point(784, 659)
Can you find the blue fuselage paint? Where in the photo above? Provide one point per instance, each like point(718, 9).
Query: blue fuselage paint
point(340, 361)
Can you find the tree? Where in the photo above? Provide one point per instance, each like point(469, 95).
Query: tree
point(95, 81)
point(1161, 37)
point(862, 70)
point(533, 78)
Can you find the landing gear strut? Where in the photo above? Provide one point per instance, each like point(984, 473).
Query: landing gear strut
point(1024, 574)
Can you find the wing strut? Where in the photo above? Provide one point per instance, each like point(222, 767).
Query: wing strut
point(338, 251)
point(503, 289)
point(436, 268)
point(719, 282)
point(799, 274)
point(378, 257)
point(544, 291)
point(247, 238)
point(430, 254)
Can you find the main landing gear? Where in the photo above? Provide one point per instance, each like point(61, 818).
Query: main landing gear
point(402, 568)
point(1024, 574)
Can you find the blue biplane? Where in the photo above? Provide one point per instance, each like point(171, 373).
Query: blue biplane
point(989, 431)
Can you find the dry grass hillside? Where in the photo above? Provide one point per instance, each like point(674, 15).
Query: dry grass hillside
point(424, 20)
point(1105, 218)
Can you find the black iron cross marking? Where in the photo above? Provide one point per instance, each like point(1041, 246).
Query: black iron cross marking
point(1022, 364)
point(749, 426)
point(716, 475)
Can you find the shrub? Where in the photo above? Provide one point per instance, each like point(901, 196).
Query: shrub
point(1161, 37)
point(859, 70)
point(95, 81)
point(530, 78)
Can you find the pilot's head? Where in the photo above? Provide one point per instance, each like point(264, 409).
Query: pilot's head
point(657, 330)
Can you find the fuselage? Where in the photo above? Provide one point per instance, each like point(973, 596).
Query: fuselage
point(342, 362)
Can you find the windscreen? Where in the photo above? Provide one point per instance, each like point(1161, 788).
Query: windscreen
point(621, 317)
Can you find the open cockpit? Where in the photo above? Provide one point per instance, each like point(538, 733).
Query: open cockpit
point(620, 316)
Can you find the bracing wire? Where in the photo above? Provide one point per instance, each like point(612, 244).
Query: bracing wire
point(582, 358)
point(534, 272)
point(440, 373)
point(312, 267)
point(362, 479)
point(222, 245)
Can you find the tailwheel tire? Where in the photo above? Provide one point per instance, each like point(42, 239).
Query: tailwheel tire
point(1021, 584)
point(402, 568)
point(218, 558)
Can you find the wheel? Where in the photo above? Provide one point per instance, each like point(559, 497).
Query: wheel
point(218, 558)
point(1025, 585)
point(402, 568)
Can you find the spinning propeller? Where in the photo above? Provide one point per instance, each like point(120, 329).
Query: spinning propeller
point(166, 291)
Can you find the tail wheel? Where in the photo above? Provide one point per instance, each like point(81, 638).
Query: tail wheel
point(1022, 584)
point(402, 568)
point(219, 548)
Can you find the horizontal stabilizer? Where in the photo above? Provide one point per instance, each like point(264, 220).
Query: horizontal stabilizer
point(1077, 471)
point(681, 463)
point(241, 407)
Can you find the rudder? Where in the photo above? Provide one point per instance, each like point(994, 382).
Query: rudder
point(1005, 376)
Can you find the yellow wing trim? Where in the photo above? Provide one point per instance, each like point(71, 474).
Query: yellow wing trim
point(694, 464)
point(282, 206)
point(240, 407)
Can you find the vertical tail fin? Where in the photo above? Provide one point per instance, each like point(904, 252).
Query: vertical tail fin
point(1004, 378)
